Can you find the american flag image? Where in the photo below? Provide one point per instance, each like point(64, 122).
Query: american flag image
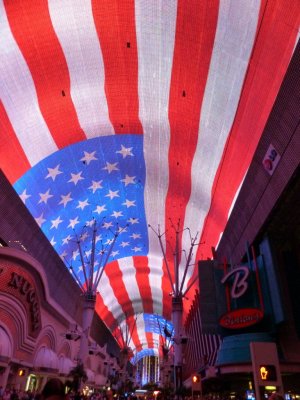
point(133, 114)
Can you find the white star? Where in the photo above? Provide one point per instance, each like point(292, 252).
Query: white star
point(56, 222)
point(24, 196)
point(121, 230)
point(67, 239)
point(111, 167)
point(88, 157)
point(136, 236)
point(73, 222)
point(96, 185)
point(133, 221)
point(109, 241)
point(135, 249)
point(52, 241)
point(107, 225)
point(124, 244)
point(83, 204)
point(84, 236)
point(128, 179)
point(40, 220)
point(114, 253)
point(65, 199)
point(112, 194)
point(129, 203)
point(117, 214)
point(88, 253)
point(75, 254)
point(125, 151)
point(80, 268)
point(44, 197)
point(99, 209)
point(63, 255)
point(90, 223)
point(98, 237)
point(75, 178)
point(53, 172)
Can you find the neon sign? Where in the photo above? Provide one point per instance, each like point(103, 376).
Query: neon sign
point(241, 318)
point(268, 373)
point(240, 284)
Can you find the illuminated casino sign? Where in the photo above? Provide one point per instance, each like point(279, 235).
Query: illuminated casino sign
point(240, 315)
point(15, 281)
point(241, 318)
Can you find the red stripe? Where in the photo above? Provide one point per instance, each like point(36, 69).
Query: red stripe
point(195, 33)
point(115, 25)
point(142, 278)
point(118, 335)
point(167, 289)
point(150, 340)
point(104, 313)
point(270, 58)
point(135, 337)
point(115, 276)
point(11, 150)
point(40, 47)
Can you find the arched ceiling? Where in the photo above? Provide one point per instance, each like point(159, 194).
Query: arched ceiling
point(137, 113)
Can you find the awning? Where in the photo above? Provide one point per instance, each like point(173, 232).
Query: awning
point(90, 376)
point(65, 365)
point(46, 359)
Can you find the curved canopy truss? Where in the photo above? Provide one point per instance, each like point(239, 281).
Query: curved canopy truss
point(137, 113)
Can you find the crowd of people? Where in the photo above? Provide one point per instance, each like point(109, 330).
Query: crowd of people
point(54, 389)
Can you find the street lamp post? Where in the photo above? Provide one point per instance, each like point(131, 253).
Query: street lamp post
point(166, 342)
point(178, 293)
point(91, 282)
point(125, 334)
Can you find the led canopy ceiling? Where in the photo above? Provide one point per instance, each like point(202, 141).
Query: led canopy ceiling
point(133, 114)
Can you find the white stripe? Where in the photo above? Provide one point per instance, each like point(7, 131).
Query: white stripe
point(219, 240)
point(74, 25)
point(237, 23)
point(19, 97)
point(155, 281)
point(156, 338)
point(155, 29)
point(236, 195)
point(140, 327)
point(129, 278)
point(109, 298)
point(296, 41)
point(124, 327)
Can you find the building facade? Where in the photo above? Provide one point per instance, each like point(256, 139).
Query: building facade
point(41, 308)
point(249, 292)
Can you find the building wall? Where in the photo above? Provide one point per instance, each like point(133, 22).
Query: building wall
point(31, 320)
point(33, 328)
point(261, 191)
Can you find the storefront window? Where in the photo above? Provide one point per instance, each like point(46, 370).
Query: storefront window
point(31, 383)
